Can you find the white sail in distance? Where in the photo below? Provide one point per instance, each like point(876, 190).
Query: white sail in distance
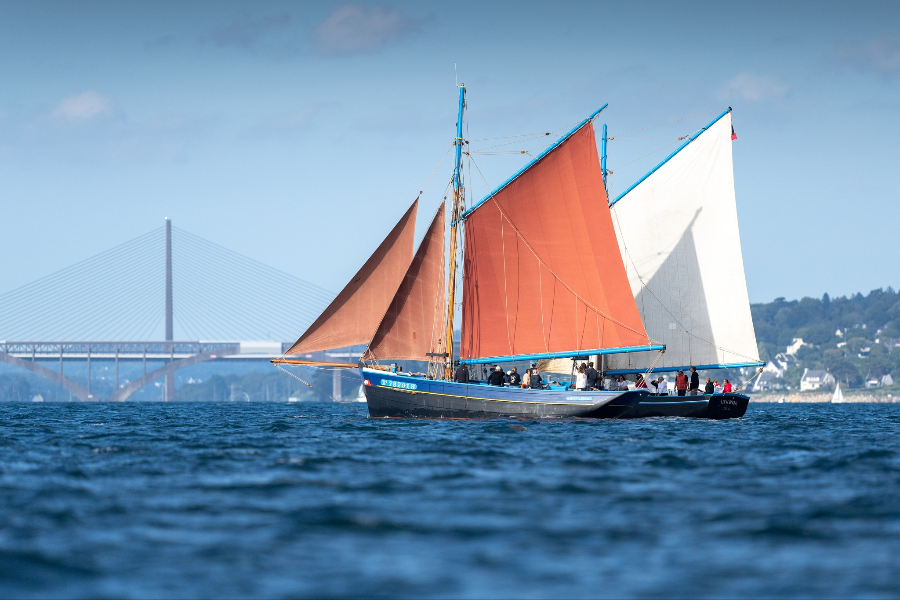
point(838, 396)
point(678, 235)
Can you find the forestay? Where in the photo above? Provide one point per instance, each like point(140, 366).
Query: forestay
point(678, 235)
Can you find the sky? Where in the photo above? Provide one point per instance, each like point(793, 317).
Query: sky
point(298, 133)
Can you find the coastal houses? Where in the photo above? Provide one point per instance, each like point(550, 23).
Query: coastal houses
point(814, 379)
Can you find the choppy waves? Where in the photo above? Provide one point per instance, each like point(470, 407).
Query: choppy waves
point(274, 500)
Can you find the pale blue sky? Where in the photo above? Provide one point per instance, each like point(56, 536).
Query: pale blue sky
point(298, 133)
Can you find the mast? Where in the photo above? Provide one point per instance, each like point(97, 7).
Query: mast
point(603, 160)
point(455, 222)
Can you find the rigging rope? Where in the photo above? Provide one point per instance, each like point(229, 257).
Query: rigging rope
point(315, 389)
point(528, 134)
point(670, 122)
point(645, 156)
point(425, 187)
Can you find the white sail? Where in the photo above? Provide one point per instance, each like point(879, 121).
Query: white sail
point(838, 396)
point(678, 234)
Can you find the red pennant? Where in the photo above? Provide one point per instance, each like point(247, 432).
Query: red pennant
point(733, 134)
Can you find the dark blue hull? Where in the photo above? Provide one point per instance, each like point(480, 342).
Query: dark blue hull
point(707, 406)
point(393, 395)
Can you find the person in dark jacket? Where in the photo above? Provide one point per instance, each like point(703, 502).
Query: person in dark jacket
point(515, 380)
point(535, 378)
point(695, 382)
point(592, 375)
point(496, 377)
point(710, 387)
point(462, 374)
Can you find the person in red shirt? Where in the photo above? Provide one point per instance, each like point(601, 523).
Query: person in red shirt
point(681, 383)
point(640, 383)
point(726, 387)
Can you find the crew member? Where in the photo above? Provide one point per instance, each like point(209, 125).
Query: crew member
point(462, 374)
point(661, 387)
point(514, 379)
point(534, 378)
point(592, 375)
point(709, 388)
point(681, 383)
point(496, 377)
point(581, 378)
point(695, 381)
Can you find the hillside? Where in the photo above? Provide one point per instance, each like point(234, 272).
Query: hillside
point(853, 338)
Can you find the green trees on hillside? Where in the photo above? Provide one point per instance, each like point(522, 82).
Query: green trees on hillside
point(867, 324)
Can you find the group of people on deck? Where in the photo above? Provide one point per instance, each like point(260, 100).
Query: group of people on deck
point(684, 385)
point(588, 378)
point(531, 379)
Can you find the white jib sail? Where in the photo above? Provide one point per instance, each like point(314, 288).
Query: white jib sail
point(678, 234)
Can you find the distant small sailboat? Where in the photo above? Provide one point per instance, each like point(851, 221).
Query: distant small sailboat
point(838, 396)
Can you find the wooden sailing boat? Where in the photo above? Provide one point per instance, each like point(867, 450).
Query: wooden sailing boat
point(543, 278)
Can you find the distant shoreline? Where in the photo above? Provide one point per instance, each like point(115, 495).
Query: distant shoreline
point(825, 397)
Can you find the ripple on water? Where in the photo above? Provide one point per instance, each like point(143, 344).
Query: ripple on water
point(272, 500)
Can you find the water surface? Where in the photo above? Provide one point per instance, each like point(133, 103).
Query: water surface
point(275, 500)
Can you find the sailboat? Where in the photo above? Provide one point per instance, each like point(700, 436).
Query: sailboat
point(551, 269)
point(838, 396)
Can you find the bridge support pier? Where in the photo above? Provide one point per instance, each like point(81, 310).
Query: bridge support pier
point(336, 384)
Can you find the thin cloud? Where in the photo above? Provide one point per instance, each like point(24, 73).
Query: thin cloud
point(84, 106)
point(756, 88)
point(355, 29)
point(246, 33)
point(161, 41)
point(880, 54)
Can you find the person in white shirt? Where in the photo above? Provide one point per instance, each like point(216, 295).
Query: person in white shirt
point(623, 385)
point(581, 378)
point(661, 388)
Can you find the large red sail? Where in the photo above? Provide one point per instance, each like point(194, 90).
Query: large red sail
point(543, 271)
point(353, 316)
point(412, 325)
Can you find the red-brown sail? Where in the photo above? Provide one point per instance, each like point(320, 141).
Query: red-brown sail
point(412, 325)
point(543, 271)
point(353, 316)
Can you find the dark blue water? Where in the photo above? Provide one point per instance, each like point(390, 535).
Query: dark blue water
point(273, 500)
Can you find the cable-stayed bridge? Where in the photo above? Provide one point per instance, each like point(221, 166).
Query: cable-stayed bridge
point(168, 299)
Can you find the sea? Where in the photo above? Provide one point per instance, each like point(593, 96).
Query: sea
point(272, 500)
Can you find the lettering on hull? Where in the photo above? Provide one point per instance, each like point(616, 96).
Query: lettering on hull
point(403, 385)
